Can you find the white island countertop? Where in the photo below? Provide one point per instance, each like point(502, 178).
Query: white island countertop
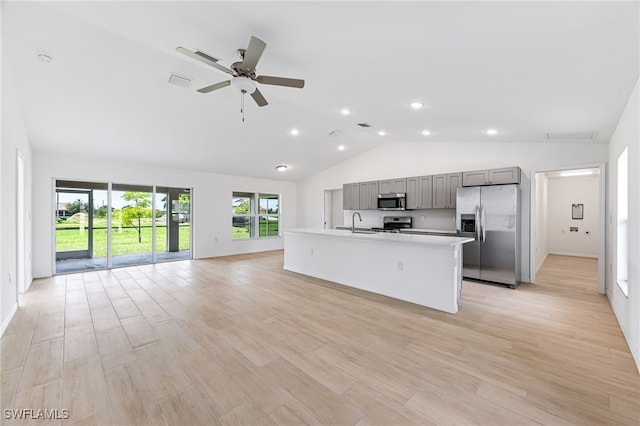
point(422, 269)
point(432, 240)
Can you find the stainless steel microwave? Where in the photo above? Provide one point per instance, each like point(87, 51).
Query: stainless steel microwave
point(392, 201)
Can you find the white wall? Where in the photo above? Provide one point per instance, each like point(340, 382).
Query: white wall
point(400, 159)
point(14, 140)
point(627, 309)
point(211, 202)
point(542, 211)
point(562, 193)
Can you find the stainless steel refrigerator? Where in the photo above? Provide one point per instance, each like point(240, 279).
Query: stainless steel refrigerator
point(491, 215)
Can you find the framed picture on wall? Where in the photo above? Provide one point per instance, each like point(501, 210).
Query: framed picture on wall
point(577, 211)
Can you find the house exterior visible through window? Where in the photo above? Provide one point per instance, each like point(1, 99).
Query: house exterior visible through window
point(255, 215)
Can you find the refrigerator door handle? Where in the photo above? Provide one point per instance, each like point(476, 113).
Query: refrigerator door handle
point(482, 223)
point(477, 214)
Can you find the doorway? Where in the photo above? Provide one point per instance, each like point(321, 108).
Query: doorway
point(333, 214)
point(568, 218)
point(21, 227)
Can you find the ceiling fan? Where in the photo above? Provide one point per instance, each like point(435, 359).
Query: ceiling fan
point(243, 72)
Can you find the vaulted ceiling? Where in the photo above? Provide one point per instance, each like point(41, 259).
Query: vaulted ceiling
point(523, 68)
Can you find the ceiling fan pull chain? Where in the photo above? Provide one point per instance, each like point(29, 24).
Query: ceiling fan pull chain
point(242, 92)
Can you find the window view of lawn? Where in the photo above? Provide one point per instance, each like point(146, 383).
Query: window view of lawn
point(131, 226)
point(70, 236)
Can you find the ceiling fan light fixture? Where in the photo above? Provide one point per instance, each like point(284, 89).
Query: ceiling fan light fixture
point(243, 84)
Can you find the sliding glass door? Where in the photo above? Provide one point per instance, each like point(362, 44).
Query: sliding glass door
point(80, 226)
point(144, 224)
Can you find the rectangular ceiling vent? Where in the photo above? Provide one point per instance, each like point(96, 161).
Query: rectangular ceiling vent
point(179, 80)
point(206, 56)
point(584, 135)
point(364, 125)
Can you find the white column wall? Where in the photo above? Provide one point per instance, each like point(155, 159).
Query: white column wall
point(211, 202)
point(14, 140)
point(627, 309)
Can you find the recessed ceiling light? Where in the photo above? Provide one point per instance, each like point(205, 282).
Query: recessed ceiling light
point(281, 168)
point(341, 148)
point(426, 132)
point(382, 133)
point(45, 58)
point(345, 111)
point(294, 132)
point(416, 105)
point(492, 132)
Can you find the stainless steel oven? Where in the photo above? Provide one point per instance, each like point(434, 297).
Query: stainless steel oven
point(392, 201)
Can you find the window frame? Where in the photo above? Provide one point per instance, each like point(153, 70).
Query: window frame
point(622, 222)
point(254, 214)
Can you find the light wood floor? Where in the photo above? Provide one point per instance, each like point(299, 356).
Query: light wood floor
point(237, 340)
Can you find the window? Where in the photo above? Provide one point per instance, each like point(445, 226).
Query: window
point(269, 211)
point(622, 269)
point(249, 209)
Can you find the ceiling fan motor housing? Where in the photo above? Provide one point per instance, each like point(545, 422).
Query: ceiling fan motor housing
point(243, 84)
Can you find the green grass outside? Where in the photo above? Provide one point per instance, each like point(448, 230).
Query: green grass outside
point(239, 233)
point(124, 242)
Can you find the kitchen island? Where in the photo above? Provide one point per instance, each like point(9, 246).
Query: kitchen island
point(422, 269)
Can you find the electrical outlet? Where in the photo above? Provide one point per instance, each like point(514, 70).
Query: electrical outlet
point(573, 229)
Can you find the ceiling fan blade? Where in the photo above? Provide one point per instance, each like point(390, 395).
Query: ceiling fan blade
point(253, 53)
point(280, 81)
point(260, 100)
point(215, 86)
point(203, 59)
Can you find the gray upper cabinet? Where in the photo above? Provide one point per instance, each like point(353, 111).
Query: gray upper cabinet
point(393, 186)
point(504, 176)
point(491, 177)
point(419, 192)
point(444, 190)
point(351, 196)
point(369, 195)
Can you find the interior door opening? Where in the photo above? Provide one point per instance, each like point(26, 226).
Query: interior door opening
point(569, 225)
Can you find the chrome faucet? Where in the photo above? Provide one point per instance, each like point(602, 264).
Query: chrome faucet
point(353, 221)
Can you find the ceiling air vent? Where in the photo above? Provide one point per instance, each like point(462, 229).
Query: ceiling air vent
point(206, 56)
point(364, 124)
point(584, 135)
point(179, 80)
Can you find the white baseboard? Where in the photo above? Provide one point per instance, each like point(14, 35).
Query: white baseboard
point(6, 322)
point(562, 253)
point(542, 263)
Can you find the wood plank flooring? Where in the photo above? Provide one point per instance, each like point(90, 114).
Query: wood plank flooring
point(237, 340)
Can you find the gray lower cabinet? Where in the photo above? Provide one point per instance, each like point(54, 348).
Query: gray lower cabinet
point(393, 186)
point(444, 190)
point(503, 176)
point(351, 196)
point(369, 195)
point(419, 192)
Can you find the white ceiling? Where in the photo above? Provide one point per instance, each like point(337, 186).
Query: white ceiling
point(525, 68)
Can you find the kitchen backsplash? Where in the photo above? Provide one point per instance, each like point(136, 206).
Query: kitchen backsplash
point(435, 219)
